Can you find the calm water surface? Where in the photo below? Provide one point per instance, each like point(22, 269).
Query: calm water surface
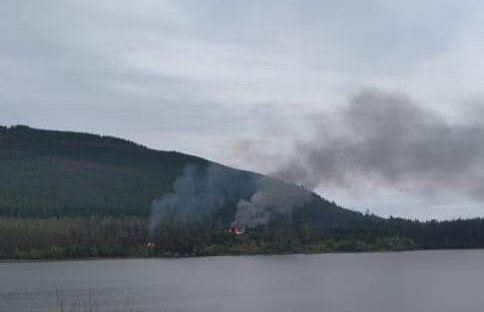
point(425, 281)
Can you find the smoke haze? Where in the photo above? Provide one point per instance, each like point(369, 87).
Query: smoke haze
point(200, 191)
point(379, 140)
point(271, 199)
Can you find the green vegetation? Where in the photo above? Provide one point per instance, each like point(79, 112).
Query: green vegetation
point(72, 195)
point(52, 174)
point(63, 238)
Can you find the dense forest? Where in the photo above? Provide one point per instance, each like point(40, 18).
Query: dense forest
point(54, 238)
point(53, 174)
point(75, 195)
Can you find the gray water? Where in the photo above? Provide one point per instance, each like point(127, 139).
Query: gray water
point(424, 281)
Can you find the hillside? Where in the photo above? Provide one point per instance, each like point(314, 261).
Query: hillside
point(52, 173)
point(75, 195)
point(47, 173)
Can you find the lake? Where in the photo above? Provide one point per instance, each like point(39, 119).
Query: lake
point(423, 281)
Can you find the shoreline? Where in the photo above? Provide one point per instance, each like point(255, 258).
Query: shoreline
point(235, 255)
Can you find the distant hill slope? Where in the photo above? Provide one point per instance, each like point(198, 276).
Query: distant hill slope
point(47, 173)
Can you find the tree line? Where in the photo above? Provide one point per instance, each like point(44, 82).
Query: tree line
point(65, 238)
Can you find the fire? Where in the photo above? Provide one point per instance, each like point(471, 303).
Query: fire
point(149, 245)
point(237, 230)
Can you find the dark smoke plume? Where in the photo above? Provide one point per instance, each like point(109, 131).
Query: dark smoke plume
point(386, 139)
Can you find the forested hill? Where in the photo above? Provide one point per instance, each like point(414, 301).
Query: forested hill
point(47, 173)
point(76, 195)
point(51, 173)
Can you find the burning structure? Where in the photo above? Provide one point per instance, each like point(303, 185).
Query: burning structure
point(237, 230)
point(149, 244)
point(199, 191)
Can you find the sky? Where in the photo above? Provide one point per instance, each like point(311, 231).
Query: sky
point(254, 84)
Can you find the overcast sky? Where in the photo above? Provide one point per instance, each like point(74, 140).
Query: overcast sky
point(242, 82)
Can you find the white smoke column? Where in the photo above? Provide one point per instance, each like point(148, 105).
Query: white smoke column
point(201, 190)
point(196, 192)
point(272, 199)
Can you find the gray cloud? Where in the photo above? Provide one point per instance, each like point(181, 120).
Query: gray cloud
point(387, 140)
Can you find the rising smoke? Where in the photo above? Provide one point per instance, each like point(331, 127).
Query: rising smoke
point(386, 139)
point(272, 198)
point(199, 191)
point(378, 139)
